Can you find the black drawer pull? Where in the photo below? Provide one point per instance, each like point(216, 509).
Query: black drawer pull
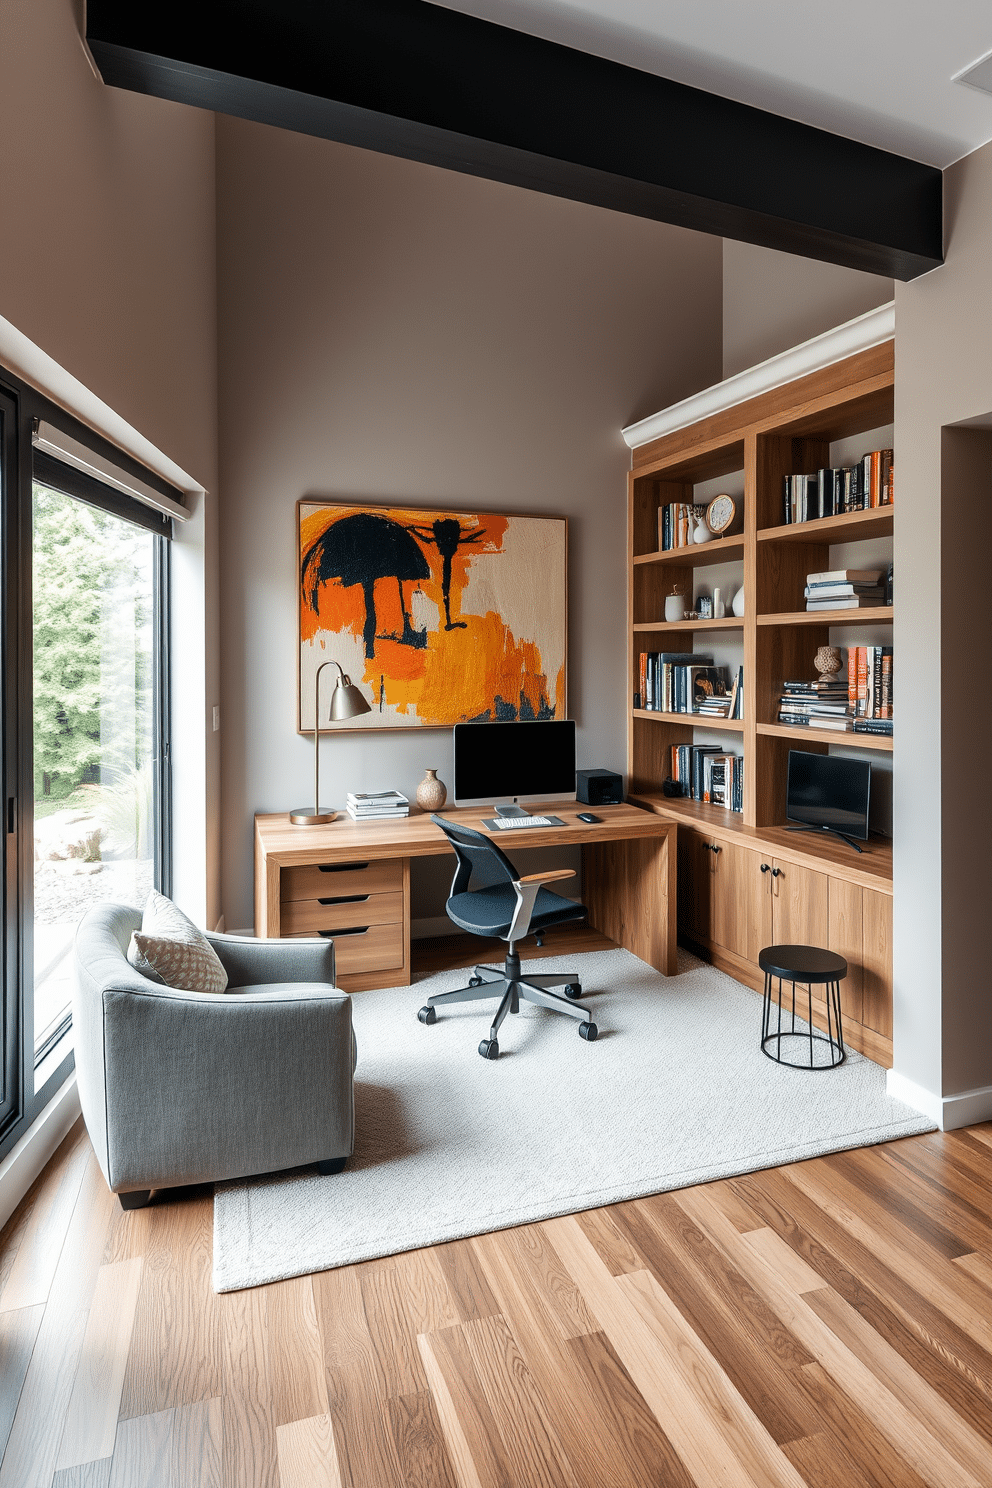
point(346, 899)
point(352, 930)
point(340, 867)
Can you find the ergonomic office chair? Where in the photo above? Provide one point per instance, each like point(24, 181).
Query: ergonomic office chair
point(510, 907)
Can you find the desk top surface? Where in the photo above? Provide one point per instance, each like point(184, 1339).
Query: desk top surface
point(416, 836)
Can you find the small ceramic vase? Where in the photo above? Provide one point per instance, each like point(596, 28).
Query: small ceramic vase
point(431, 792)
point(702, 533)
point(719, 607)
point(674, 607)
point(738, 604)
point(827, 662)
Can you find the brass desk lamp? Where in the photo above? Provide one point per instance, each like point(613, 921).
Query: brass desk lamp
point(347, 701)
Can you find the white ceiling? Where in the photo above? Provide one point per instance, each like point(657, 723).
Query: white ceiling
point(875, 70)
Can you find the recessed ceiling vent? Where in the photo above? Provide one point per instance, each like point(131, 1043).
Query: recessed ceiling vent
point(978, 75)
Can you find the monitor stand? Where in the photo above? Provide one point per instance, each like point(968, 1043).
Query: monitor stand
point(511, 810)
point(842, 835)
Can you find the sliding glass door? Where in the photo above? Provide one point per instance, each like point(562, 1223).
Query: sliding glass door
point(94, 603)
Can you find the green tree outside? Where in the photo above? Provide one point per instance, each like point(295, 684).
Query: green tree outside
point(92, 656)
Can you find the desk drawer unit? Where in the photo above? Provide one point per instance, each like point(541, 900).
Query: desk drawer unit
point(359, 905)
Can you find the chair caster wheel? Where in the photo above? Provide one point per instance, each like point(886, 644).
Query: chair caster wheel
point(588, 1031)
point(475, 981)
point(573, 990)
point(489, 1049)
point(427, 1015)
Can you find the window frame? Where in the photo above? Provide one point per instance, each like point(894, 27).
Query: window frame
point(23, 464)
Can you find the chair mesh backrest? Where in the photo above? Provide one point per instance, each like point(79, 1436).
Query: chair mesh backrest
point(477, 855)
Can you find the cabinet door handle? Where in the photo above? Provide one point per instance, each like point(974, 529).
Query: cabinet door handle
point(776, 872)
point(716, 849)
point(765, 868)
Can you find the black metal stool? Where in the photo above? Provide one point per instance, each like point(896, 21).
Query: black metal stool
point(809, 966)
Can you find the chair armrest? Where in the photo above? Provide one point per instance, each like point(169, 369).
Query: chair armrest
point(254, 963)
point(526, 889)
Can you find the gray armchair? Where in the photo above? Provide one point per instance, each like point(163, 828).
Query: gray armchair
point(190, 1087)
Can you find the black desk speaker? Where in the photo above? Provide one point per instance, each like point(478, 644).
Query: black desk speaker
point(599, 787)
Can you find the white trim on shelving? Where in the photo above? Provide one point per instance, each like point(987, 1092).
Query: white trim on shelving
point(27, 1158)
point(860, 334)
point(950, 1112)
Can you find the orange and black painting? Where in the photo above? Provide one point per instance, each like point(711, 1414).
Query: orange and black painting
point(440, 617)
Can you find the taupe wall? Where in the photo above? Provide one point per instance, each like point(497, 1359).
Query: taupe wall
point(108, 264)
point(392, 331)
point(943, 1028)
point(772, 301)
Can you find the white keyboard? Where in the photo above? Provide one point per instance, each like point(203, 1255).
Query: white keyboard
point(506, 822)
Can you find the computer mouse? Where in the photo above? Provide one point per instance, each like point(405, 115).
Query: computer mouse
point(587, 816)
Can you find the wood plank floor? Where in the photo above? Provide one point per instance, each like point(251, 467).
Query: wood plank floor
point(826, 1324)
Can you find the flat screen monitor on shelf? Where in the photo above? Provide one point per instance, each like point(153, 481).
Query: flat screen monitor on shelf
point(502, 763)
point(828, 793)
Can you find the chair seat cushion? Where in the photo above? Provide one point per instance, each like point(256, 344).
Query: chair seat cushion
point(171, 950)
point(490, 911)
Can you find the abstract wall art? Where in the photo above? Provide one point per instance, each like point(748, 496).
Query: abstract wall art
point(441, 617)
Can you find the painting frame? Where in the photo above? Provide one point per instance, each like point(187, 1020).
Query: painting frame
point(527, 544)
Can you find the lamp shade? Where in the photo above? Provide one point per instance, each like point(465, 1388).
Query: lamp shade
point(347, 700)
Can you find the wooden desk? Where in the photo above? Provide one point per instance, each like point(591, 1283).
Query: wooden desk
point(352, 880)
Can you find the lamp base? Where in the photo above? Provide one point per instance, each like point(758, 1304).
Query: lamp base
point(308, 816)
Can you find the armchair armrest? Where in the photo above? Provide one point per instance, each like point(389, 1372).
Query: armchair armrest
point(551, 876)
point(256, 963)
point(202, 1087)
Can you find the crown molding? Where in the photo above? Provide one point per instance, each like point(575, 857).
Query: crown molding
point(865, 331)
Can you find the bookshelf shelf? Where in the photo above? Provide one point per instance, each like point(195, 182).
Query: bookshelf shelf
point(848, 527)
point(826, 893)
point(691, 720)
point(654, 627)
point(826, 736)
point(702, 555)
point(877, 615)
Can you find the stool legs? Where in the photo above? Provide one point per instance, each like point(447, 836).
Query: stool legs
point(833, 1038)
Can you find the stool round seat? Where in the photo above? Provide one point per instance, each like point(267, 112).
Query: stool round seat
point(802, 963)
point(806, 966)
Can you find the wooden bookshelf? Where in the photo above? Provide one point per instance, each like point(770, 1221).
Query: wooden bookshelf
point(823, 891)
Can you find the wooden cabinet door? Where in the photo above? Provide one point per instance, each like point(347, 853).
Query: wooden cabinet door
point(876, 961)
point(846, 938)
point(695, 873)
point(740, 912)
point(800, 913)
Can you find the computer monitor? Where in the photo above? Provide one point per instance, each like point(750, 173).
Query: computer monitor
point(499, 763)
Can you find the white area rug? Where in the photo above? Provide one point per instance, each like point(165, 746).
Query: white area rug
point(674, 1091)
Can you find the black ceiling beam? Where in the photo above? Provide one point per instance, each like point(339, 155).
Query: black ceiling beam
point(416, 80)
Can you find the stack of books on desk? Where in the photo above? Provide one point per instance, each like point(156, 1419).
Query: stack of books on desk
point(377, 805)
point(822, 705)
point(844, 589)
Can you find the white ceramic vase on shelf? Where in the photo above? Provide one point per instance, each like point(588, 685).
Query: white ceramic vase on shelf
point(702, 533)
point(674, 607)
point(738, 604)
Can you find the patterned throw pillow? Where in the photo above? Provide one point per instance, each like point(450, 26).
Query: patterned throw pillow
point(170, 949)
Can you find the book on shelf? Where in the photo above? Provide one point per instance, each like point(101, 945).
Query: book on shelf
point(709, 773)
point(869, 682)
point(677, 681)
point(830, 492)
point(674, 526)
point(845, 576)
point(848, 602)
point(882, 726)
point(829, 592)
